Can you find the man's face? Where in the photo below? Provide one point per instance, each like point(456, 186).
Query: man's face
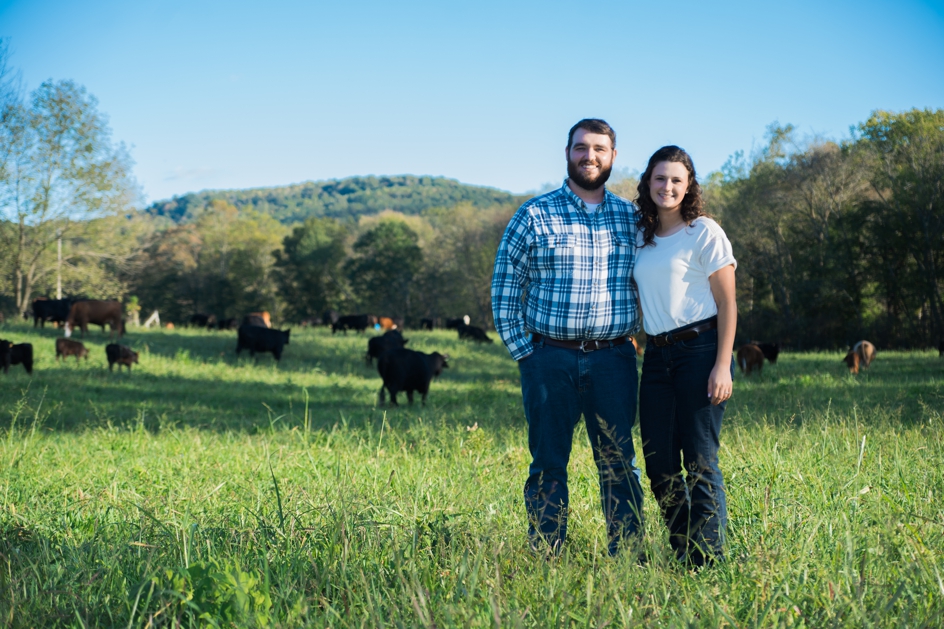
point(590, 159)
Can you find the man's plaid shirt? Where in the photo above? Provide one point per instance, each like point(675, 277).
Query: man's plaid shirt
point(565, 273)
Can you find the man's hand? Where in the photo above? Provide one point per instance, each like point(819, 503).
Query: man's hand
point(719, 384)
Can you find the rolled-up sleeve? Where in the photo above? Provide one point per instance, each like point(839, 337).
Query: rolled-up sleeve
point(510, 283)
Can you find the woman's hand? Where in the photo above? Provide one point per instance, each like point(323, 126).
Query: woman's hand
point(719, 384)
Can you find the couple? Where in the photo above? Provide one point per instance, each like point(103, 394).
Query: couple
point(572, 271)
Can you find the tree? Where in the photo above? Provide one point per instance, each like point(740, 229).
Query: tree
point(386, 259)
point(308, 265)
point(60, 169)
point(908, 177)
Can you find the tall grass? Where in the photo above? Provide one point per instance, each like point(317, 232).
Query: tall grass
point(202, 490)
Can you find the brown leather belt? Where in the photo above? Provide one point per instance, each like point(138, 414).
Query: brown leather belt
point(670, 338)
point(583, 346)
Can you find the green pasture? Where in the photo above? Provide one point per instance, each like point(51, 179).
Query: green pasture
point(202, 490)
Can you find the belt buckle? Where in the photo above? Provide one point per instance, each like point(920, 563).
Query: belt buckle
point(583, 346)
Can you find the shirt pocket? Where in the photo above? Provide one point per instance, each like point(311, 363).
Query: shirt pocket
point(554, 256)
point(621, 255)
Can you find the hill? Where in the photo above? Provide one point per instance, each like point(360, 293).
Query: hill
point(345, 199)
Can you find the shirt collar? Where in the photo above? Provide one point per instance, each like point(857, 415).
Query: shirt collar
point(580, 203)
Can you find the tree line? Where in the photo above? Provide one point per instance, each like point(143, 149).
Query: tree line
point(836, 240)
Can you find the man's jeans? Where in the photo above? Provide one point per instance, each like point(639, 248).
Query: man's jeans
point(559, 385)
point(677, 419)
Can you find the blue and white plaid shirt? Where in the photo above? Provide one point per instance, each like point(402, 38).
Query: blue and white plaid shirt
point(564, 272)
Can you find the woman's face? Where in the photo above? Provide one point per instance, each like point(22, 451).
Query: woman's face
point(668, 185)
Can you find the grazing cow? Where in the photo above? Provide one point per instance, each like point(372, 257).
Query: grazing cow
point(120, 354)
point(861, 354)
point(429, 323)
point(770, 350)
point(750, 358)
point(5, 355)
point(358, 323)
point(376, 346)
point(55, 310)
point(409, 371)
point(329, 317)
point(639, 345)
point(453, 324)
point(261, 339)
point(472, 333)
point(98, 312)
point(22, 354)
point(67, 347)
point(228, 324)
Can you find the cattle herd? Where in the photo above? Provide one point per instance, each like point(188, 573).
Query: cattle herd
point(402, 370)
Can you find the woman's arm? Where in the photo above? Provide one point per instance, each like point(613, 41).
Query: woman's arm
point(722, 289)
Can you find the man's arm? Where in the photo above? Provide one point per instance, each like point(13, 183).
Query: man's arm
point(509, 280)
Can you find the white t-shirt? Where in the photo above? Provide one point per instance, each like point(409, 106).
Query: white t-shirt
point(672, 275)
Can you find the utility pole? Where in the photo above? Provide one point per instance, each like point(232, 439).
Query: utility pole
point(59, 266)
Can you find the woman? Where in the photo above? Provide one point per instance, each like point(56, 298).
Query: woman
point(685, 276)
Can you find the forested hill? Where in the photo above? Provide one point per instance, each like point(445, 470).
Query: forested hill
point(341, 198)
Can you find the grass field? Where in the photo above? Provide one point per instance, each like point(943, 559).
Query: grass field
point(201, 490)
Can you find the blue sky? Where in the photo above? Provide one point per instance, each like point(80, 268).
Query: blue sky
point(237, 94)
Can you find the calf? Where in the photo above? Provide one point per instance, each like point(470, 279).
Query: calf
point(358, 323)
point(202, 320)
point(120, 354)
point(228, 324)
point(261, 339)
point(377, 345)
point(750, 358)
point(67, 347)
point(861, 354)
point(472, 333)
point(429, 323)
point(406, 370)
point(22, 354)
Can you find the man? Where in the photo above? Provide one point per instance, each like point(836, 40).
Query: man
point(562, 274)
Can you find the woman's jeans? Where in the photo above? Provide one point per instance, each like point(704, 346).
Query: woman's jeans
point(678, 422)
point(558, 385)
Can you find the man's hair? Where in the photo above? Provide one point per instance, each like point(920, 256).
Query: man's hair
point(593, 125)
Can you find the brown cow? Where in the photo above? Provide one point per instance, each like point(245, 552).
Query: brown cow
point(750, 358)
point(862, 353)
point(639, 343)
point(97, 312)
point(120, 354)
point(264, 315)
point(66, 348)
point(386, 323)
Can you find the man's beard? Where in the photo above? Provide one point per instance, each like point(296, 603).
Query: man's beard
point(573, 171)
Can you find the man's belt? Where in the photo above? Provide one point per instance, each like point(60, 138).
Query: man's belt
point(686, 334)
point(583, 346)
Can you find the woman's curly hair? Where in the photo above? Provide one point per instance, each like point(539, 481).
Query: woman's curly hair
point(692, 205)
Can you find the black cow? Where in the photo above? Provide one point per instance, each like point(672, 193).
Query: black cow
point(55, 310)
point(228, 324)
point(352, 322)
point(261, 339)
point(429, 323)
point(22, 354)
point(472, 333)
point(770, 351)
point(376, 346)
point(5, 355)
point(329, 317)
point(120, 354)
point(406, 370)
point(453, 324)
point(203, 320)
